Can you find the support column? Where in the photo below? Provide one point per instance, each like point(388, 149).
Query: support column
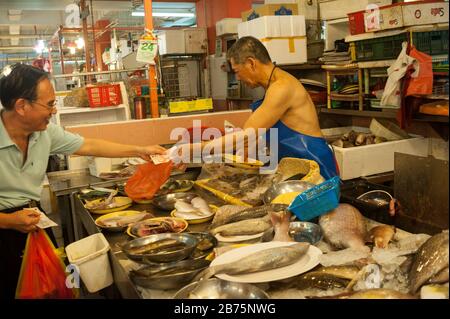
point(153, 86)
point(101, 43)
point(87, 52)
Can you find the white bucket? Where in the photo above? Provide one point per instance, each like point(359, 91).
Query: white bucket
point(90, 254)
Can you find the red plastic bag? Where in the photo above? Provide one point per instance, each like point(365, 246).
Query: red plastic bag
point(147, 180)
point(42, 274)
point(421, 82)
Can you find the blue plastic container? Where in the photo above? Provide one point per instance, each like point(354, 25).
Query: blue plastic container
point(316, 201)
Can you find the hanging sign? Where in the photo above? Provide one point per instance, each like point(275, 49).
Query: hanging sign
point(147, 49)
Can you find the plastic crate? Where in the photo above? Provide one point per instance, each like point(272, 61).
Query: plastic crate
point(104, 95)
point(432, 42)
point(385, 48)
point(316, 201)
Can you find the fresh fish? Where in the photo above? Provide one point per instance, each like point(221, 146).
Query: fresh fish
point(160, 244)
point(338, 143)
point(440, 277)
point(328, 277)
point(360, 139)
point(223, 217)
point(184, 207)
point(243, 227)
point(201, 205)
point(267, 259)
point(344, 227)
point(370, 139)
point(430, 259)
point(223, 212)
point(381, 235)
point(280, 222)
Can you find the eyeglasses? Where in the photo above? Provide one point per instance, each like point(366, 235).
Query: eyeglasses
point(48, 107)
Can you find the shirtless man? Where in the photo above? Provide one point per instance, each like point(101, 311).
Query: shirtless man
point(286, 107)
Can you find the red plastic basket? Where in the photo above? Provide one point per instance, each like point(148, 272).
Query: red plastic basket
point(104, 95)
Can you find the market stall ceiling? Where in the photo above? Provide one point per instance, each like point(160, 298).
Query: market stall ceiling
point(22, 22)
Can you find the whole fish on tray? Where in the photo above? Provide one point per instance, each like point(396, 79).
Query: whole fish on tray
point(344, 227)
point(430, 262)
point(327, 277)
point(243, 227)
point(267, 259)
point(118, 221)
point(233, 213)
point(155, 247)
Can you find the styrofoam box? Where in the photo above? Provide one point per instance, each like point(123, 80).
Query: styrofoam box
point(388, 18)
point(373, 159)
point(424, 13)
point(287, 51)
point(273, 27)
point(336, 9)
point(227, 26)
point(90, 254)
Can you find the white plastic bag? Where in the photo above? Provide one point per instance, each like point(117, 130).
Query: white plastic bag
point(392, 90)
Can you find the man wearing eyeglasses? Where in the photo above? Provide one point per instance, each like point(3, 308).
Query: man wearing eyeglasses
point(27, 139)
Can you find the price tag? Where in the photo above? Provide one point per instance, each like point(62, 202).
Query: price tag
point(147, 51)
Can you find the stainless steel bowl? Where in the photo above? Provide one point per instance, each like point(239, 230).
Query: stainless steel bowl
point(189, 240)
point(285, 187)
point(305, 232)
point(167, 202)
point(220, 289)
point(168, 276)
point(199, 253)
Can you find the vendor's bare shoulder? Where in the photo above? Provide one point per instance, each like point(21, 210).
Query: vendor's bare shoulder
point(301, 114)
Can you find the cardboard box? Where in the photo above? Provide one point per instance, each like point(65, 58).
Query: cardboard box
point(424, 12)
point(372, 159)
point(385, 18)
point(337, 9)
point(270, 10)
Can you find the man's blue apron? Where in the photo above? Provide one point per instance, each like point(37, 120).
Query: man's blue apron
point(294, 144)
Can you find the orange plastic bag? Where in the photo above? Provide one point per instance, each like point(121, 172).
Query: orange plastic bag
point(421, 82)
point(147, 180)
point(42, 273)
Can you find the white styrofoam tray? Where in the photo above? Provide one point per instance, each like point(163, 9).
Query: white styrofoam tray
point(373, 159)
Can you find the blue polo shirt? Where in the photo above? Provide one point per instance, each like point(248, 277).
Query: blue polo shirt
point(20, 183)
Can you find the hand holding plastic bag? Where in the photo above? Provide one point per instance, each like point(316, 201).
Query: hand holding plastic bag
point(147, 180)
point(42, 274)
point(392, 90)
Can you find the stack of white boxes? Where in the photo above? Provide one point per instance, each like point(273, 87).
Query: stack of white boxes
point(283, 36)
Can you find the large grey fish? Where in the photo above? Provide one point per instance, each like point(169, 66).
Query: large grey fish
point(234, 214)
point(231, 213)
point(344, 227)
point(260, 261)
point(243, 227)
point(430, 262)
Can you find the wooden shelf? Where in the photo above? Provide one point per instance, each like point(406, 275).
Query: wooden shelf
point(344, 97)
point(380, 114)
point(431, 118)
point(72, 110)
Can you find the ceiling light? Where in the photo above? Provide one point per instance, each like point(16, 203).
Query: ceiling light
point(80, 43)
point(39, 47)
point(72, 50)
point(165, 14)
